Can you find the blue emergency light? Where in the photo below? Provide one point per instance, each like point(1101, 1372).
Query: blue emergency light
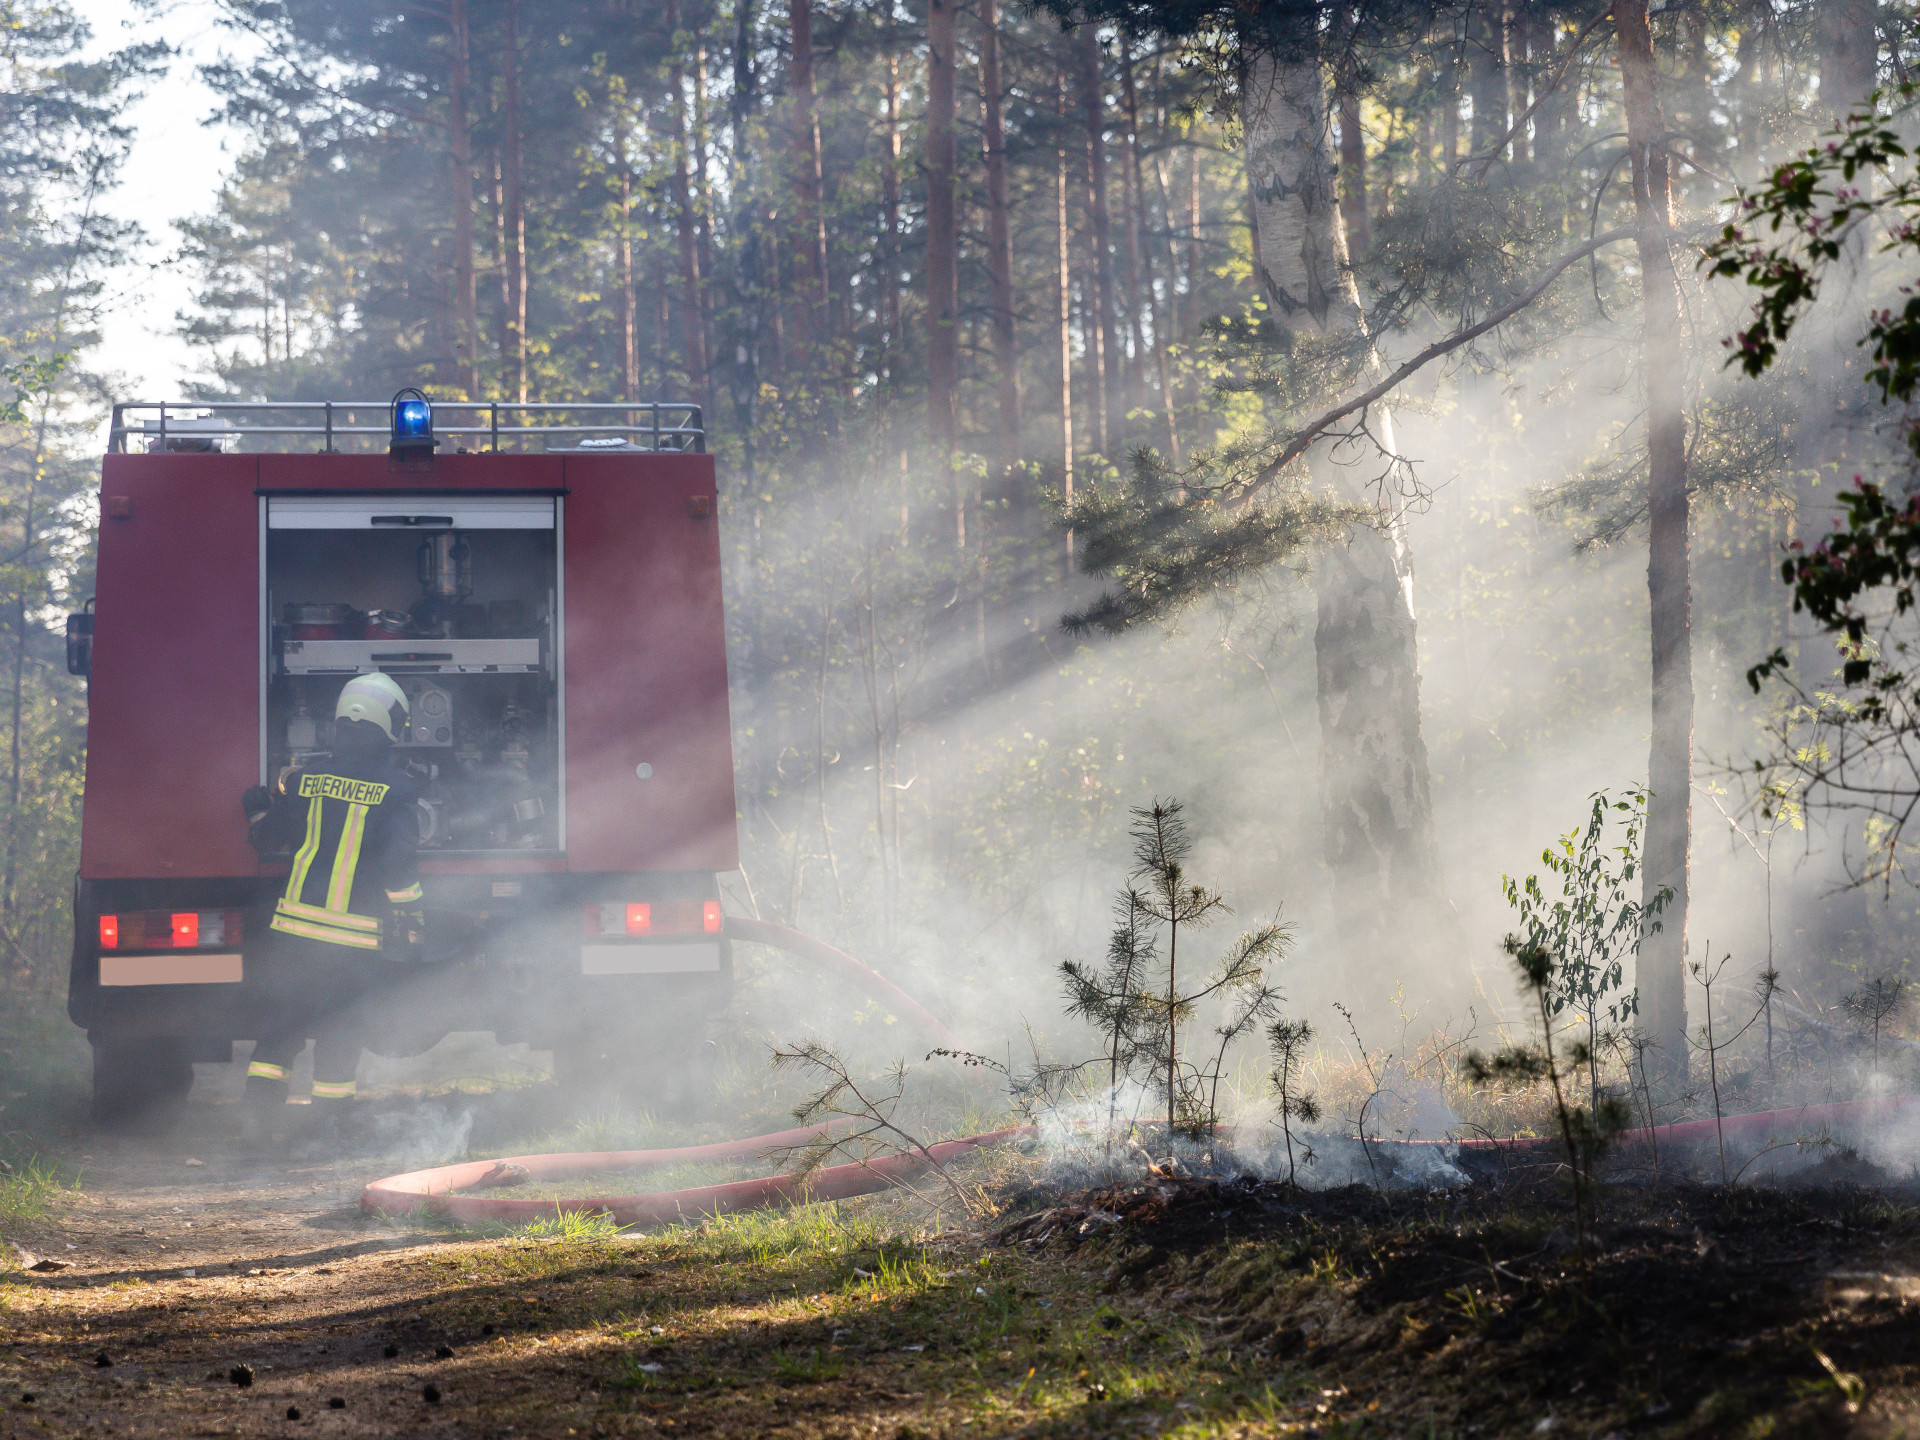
point(412, 429)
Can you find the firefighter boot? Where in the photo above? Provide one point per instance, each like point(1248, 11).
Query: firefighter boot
point(263, 1104)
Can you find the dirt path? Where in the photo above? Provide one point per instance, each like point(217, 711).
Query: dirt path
point(189, 1257)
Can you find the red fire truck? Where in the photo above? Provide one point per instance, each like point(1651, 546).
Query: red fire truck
point(544, 583)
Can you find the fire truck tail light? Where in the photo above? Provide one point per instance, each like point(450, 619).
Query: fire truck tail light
point(170, 930)
point(652, 919)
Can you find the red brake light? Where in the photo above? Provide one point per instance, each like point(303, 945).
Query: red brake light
point(186, 929)
point(639, 919)
point(710, 916)
point(109, 932)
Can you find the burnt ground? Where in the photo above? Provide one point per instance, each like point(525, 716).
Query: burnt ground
point(1183, 1307)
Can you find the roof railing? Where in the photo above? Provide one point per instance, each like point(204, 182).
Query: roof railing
point(360, 426)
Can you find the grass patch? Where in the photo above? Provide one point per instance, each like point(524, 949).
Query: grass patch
point(35, 1192)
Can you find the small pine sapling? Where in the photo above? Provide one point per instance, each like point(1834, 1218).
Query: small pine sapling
point(1287, 1040)
point(1112, 999)
point(1161, 848)
point(1874, 1007)
point(1585, 1131)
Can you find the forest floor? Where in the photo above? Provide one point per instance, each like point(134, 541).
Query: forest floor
point(1179, 1308)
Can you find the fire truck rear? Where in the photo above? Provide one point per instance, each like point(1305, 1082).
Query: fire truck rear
point(544, 583)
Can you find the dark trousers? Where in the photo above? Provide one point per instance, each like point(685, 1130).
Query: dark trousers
point(319, 992)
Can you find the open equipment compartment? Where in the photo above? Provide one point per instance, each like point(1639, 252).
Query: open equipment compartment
point(458, 598)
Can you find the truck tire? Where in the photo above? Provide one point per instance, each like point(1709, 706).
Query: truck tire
point(139, 1082)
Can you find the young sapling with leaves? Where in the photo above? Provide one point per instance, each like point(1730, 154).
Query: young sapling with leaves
point(1594, 926)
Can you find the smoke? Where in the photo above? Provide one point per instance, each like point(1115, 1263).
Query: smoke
point(425, 1134)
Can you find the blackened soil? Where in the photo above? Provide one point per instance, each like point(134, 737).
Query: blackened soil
point(1691, 1310)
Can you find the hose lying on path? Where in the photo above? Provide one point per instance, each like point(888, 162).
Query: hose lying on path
point(433, 1190)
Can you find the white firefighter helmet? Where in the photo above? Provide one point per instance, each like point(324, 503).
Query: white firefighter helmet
point(375, 698)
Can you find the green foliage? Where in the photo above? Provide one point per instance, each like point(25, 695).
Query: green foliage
point(1574, 947)
point(1790, 231)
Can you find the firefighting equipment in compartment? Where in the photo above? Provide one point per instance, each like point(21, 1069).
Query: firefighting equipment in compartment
point(355, 861)
point(374, 698)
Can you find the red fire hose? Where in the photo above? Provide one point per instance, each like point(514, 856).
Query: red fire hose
point(434, 1190)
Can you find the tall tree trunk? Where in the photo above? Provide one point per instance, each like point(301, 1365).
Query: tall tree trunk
point(746, 370)
point(516, 211)
point(1136, 245)
point(703, 207)
point(943, 292)
point(1663, 953)
point(810, 222)
point(693, 303)
point(1106, 348)
point(1063, 307)
point(460, 153)
point(1376, 801)
point(1487, 76)
point(1450, 110)
point(1353, 177)
point(1519, 71)
point(629, 321)
point(1849, 55)
point(890, 222)
point(1006, 355)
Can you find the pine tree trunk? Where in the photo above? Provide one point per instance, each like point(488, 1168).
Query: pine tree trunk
point(1376, 803)
point(1006, 356)
point(890, 221)
point(460, 153)
point(1662, 962)
point(943, 319)
point(810, 223)
point(1137, 247)
point(1063, 311)
point(1849, 55)
point(1107, 349)
point(693, 305)
point(1487, 78)
point(516, 211)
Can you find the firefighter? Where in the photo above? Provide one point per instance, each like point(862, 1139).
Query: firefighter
point(351, 905)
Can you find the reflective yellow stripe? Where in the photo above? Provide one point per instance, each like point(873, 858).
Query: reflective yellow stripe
point(344, 919)
point(346, 859)
point(402, 897)
point(303, 858)
point(334, 1089)
point(288, 925)
point(266, 1071)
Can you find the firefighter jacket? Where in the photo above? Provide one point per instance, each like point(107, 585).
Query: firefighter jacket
point(352, 820)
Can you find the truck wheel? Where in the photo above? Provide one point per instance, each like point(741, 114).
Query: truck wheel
point(139, 1081)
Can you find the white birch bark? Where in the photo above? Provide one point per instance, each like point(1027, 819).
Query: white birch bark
point(1376, 801)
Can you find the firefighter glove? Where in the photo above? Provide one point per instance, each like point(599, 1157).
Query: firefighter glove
point(410, 928)
point(256, 800)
